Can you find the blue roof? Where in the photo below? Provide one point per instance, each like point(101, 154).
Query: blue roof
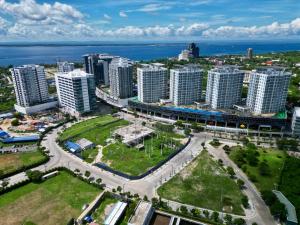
point(3, 134)
point(21, 139)
point(198, 111)
point(73, 147)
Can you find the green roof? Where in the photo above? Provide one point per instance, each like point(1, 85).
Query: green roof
point(281, 115)
point(291, 211)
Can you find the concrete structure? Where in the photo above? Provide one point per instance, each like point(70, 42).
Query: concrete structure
point(268, 90)
point(116, 213)
point(108, 98)
point(133, 134)
point(291, 218)
point(296, 122)
point(250, 53)
point(65, 67)
point(37, 108)
point(98, 64)
point(185, 55)
point(85, 143)
point(186, 84)
point(152, 81)
point(121, 78)
point(247, 75)
point(30, 86)
point(224, 87)
point(142, 214)
point(76, 91)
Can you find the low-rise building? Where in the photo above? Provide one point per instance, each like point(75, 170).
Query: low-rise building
point(85, 143)
point(296, 122)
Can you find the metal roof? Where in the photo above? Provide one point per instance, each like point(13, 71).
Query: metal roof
point(116, 213)
point(73, 147)
point(291, 211)
point(21, 139)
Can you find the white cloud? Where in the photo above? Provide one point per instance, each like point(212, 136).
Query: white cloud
point(107, 17)
point(154, 7)
point(122, 14)
point(30, 12)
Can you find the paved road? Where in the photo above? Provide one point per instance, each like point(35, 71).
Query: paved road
point(260, 212)
point(148, 185)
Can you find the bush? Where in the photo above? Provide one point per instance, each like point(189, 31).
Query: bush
point(245, 201)
point(187, 131)
point(240, 183)
point(252, 177)
point(239, 221)
point(183, 209)
point(264, 169)
point(230, 171)
point(34, 175)
point(15, 122)
point(87, 173)
point(164, 127)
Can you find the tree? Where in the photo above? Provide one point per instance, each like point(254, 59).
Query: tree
point(269, 197)
point(245, 201)
point(179, 123)
point(15, 122)
point(34, 175)
point(264, 169)
point(196, 212)
point(144, 123)
point(228, 219)
point(145, 198)
point(119, 189)
point(278, 210)
point(187, 131)
point(215, 216)
point(99, 180)
point(203, 144)
point(183, 209)
point(230, 171)
point(206, 213)
point(240, 183)
point(239, 221)
point(87, 173)
point(17, 115)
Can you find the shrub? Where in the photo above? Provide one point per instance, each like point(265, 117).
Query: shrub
point(15, 122)
point(87, 173)
point(34, 175)
point(245, 201)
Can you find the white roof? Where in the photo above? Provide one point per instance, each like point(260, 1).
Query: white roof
point(116, 213)
point(297, 111)
point(77, 73)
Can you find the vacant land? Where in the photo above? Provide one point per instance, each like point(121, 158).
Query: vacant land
point(14, 161)
point(54, 201)
point(133, 161)
point(262, 166)
point(104, 209)
point(86, 125)
point(203, 184)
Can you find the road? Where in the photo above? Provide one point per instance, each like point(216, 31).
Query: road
point(148, 185)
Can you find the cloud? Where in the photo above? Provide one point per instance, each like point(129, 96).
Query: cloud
point(153, 7)
point(30, 12)
point(122, 14)
point(107, 17)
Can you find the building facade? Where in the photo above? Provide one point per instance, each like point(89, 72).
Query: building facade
point(76, 91)
point(296, 122)
point(194, 49)
point(224, 87)
point(121, 78)
point(65, 67)
point(250, 53)
point(152, 81)
point(30, 85)
point(268, 90)
point(98, 64)
point(186, 84)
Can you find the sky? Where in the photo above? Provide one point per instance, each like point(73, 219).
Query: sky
point(138, 20)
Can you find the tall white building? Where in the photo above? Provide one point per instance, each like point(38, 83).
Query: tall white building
point(152, 81)
point(76, 91)
point(186, 84)
point(30, 85)
point(268, 90)
point(296, 122)
point(121, 78)
point(224, 87)
point(64, 67)
point(185, 55)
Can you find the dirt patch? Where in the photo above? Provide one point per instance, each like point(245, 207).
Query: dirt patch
point(184, 174)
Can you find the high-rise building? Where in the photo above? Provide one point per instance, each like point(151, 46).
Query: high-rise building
point(296, 122)
point(30, 85)
point(185, 55)
point(76, 91)
point(194, 49)
point(186, 84)
point(268, 90)
point(64, 67)
point(121, 78)
point(224, 87)
point(98, 64)
point(249, 53)
point(152, 81)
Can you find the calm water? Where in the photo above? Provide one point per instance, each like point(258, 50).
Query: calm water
point(18, 55)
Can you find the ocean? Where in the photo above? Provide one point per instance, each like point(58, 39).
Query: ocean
point(19, 54)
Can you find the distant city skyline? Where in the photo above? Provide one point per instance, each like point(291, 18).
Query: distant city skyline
point(164, 20)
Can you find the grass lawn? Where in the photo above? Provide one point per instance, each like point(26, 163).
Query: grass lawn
point(135, 162)
point(85, 125)
point(17, 144)
point(274, 159)
point(14, 161)
point(201, 184)
point(100, 214)
point(54, 201)
point(89, 155)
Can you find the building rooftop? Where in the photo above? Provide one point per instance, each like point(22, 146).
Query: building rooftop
point(141, 213)
point(77, 73)
point(122, 62)
point(226, 69)
point(273, 70)
point(116, 213)
point(153, 67)
point(187, 68)
point(291, 211)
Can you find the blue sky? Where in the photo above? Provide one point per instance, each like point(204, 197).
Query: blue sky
point(149, 19)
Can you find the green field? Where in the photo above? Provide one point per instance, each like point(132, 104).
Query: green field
point(15, 161)
point(85, 125)
point(135, 162)
point(272, 157)
point(102, 211)
point(54, 201)
point(203, 183)
point(89, 155)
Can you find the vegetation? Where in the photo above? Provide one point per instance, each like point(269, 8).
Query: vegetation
point(263, 166)
point(55, 201)
point(215, 142)
point(9, 163)
point(203, 184)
